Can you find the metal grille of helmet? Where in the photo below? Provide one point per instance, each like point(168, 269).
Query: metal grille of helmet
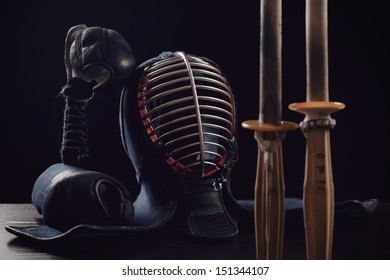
point(187, 107)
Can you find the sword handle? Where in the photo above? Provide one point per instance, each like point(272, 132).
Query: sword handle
point(269, 189)
point(269, 206)
point(318, 188)
point(318, 196)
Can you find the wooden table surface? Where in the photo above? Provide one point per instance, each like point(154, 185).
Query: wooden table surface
point(169, 243)
point(367, 238)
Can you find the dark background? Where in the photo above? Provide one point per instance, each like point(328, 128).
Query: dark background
point(227, 32)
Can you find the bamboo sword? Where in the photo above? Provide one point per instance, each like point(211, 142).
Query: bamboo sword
point(318, 189)
point(269, 133)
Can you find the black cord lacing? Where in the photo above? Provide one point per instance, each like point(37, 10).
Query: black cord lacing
point(75, 147)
